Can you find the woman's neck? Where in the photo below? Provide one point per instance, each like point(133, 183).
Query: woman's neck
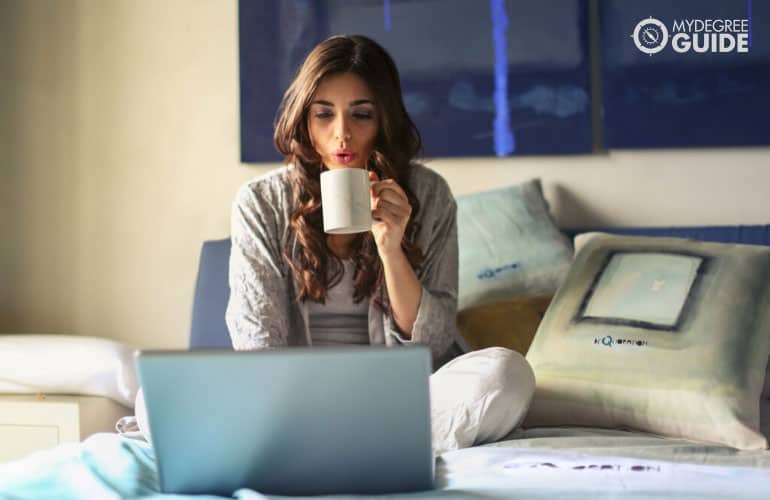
point(341, 244)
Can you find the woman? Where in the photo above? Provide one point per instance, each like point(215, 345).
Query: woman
point(292, 284)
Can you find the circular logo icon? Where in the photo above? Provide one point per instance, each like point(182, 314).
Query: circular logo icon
point(650, 35)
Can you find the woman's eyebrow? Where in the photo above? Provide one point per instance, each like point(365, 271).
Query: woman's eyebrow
point(352, 103)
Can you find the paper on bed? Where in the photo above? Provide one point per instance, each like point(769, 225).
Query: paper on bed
point(544, 474)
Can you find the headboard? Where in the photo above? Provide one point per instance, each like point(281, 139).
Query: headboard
point(208, 329)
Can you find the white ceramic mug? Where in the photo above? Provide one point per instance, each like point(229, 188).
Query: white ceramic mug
point(345, 201)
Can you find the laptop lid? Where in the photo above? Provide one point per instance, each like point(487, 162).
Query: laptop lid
point(294, 421)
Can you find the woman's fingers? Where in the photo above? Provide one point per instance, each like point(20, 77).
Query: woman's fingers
point(384, 217)
point(390, 197)
point(396, 210)
point(391, 208)
point(390, 189)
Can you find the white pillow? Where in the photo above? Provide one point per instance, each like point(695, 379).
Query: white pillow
point(479, 397)
point(65, 364)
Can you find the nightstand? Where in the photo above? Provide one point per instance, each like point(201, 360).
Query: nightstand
point(33, 422)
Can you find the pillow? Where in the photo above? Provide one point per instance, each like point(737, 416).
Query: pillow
point(509, 245)
point(664, 335)
point(580, 240)
point(511, 323)
point(471, 401)
point(64, 364)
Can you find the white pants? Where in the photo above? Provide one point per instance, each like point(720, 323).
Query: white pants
point(476, 398)
point(479, 397)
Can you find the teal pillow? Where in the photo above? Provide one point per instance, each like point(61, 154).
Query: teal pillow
point(664, 335)
point(509, 245)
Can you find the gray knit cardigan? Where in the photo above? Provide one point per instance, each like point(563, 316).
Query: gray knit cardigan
point(263, 311)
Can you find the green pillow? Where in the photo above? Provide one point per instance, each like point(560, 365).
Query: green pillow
point(509, 245)
point(663, 335)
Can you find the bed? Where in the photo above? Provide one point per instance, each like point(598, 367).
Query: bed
point(529, 464)
point(535, 462)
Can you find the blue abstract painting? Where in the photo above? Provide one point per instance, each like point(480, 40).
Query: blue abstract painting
point(688, 73)
point(480, 78)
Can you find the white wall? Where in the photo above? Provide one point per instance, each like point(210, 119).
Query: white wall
point(119, 155)
point(638, 188)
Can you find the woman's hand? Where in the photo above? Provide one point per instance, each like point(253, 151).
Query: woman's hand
point(391, 211)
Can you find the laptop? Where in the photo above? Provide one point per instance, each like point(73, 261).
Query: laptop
point(293, 421)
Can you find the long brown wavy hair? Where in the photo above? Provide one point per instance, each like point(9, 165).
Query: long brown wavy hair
point(398, 142)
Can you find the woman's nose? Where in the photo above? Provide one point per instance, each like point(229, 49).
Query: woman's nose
point(342, 129)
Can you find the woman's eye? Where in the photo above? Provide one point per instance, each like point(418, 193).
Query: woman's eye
point(323, 114)
point(362, 116)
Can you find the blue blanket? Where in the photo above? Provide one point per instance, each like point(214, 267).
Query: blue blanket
point(104, 466)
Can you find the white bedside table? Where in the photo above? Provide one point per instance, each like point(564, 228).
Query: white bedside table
point(33, 422)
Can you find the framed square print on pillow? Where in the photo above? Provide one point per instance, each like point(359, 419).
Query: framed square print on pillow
point(664, 335)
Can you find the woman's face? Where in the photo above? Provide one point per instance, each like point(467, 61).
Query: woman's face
point(343, 121)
